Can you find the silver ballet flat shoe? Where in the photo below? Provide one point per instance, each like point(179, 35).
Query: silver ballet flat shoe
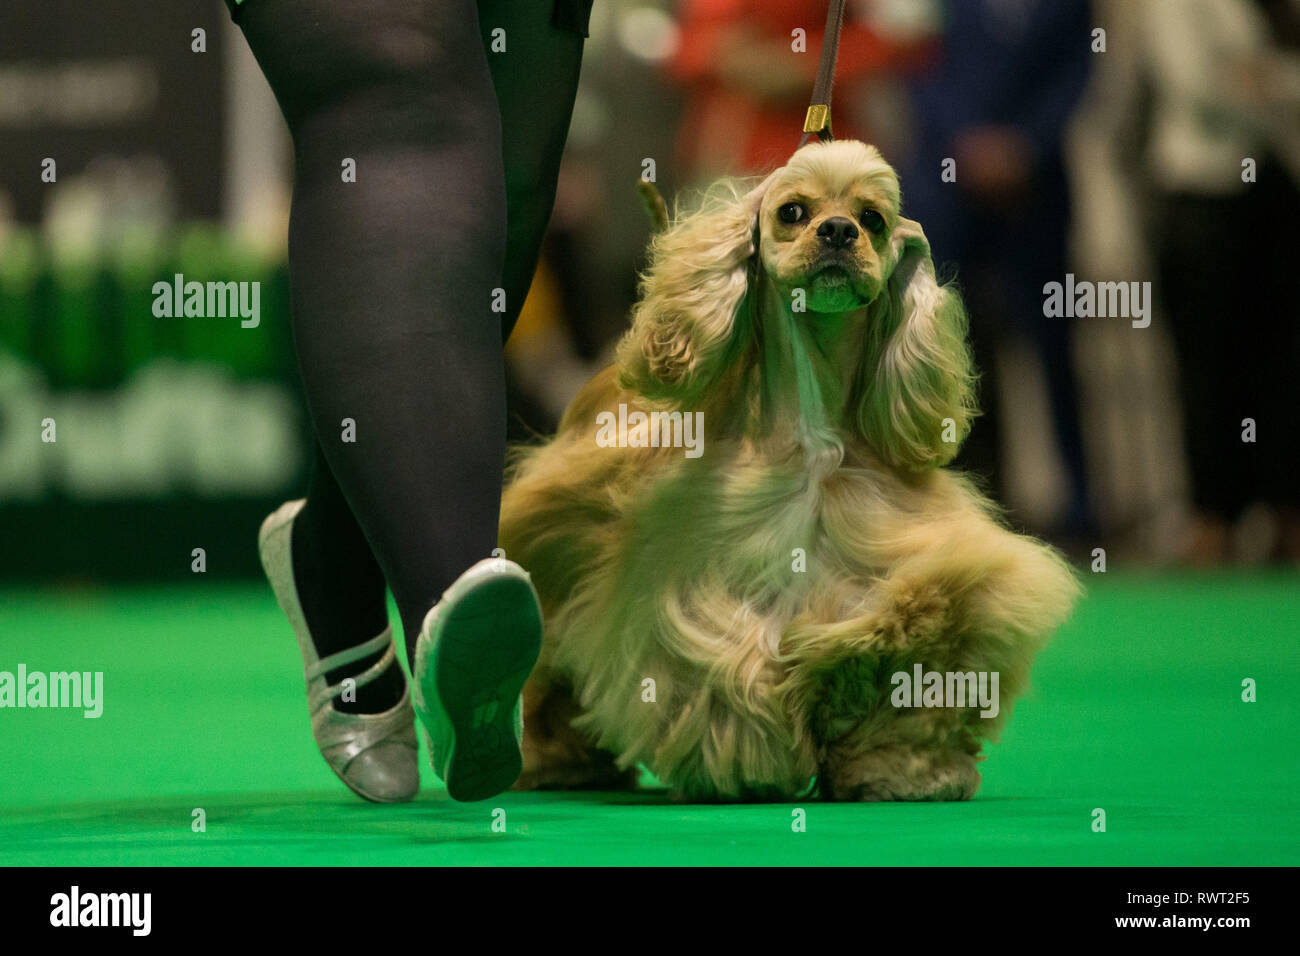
point(475, 651)
point(373, 754)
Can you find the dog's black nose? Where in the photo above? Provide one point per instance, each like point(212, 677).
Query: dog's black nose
point(837, 232)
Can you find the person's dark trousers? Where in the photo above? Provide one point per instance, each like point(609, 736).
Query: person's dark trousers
point(1227, 284)
point(394, 278)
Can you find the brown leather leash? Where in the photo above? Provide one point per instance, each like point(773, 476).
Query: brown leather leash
point(818, 118)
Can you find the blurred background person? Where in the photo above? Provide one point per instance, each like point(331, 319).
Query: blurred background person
point(1224, 159)
point(1007, 76)
point(1185, 160)
point(748, 68)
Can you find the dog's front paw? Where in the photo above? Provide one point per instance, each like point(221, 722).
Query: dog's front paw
point(900, 773)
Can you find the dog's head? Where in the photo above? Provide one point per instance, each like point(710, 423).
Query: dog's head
point(826, 223)
point(818, 242)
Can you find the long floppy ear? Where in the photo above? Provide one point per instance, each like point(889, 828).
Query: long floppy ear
point(919, 397)
point(691, 294)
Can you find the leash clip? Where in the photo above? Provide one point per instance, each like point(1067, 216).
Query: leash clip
point(818, 120)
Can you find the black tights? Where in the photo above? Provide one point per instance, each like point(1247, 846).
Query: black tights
point(392, 281)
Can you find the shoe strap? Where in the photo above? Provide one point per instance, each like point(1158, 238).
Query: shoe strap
point(327, 692)
point(352, 654)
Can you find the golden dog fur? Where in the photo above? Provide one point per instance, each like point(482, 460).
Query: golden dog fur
point(733, 620)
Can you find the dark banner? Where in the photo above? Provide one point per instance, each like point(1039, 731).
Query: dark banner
point(138, 420)
point(88, 83)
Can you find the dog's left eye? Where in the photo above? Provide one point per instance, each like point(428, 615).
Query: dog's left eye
point(791, 212)
point(871, 220)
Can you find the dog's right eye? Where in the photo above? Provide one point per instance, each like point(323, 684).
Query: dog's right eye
point(791, 212)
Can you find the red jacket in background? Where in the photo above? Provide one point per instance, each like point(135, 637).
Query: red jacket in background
point(731, 130)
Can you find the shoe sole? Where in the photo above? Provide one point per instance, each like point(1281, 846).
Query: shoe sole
point(484, 652)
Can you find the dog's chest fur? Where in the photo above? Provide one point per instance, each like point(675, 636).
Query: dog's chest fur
point(716, 559)
point(753, 534)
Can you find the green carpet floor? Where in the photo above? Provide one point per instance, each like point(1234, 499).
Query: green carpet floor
point(1136, 710)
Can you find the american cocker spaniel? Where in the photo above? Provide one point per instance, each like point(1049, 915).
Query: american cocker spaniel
point(754, 569)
